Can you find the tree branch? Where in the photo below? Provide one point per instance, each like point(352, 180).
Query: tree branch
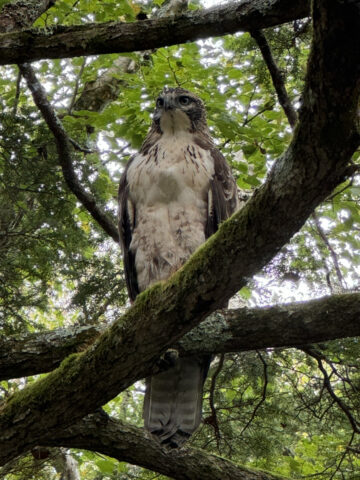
point(327, 384)
point(63, 144)
point(263, 395)
point(238, 330)
point(315, 162)
point(118, 37)
point(333, 255)
point(43, 351)
point(129, 444)
point(20, 14)
point(276, 75)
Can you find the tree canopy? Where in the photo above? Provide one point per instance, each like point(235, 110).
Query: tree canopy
point(280, 80)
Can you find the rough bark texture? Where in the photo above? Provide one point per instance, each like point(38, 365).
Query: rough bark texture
point(22, 13)
point(42, 351)
point(242, 329)
point(130, 444)
point(314, 163)
point(117, 37)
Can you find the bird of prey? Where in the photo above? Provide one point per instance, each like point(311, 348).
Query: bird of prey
point(173, 195)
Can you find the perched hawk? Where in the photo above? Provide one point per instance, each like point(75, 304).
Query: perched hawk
point(173, 195)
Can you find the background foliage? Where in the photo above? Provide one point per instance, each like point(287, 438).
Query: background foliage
point(268, 409)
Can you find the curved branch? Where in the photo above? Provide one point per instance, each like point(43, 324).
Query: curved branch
point(327, 384)
point(119, 37)
point(63, 144)
point(129, 444)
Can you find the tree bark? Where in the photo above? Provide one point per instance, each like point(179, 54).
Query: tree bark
point(22, 13)
point(118, 37)
point(129, 444)
point(43, 351)
point(238, 330)
point(315, 162)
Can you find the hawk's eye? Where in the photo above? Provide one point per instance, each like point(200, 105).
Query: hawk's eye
point(184, 100)
point(160, 102)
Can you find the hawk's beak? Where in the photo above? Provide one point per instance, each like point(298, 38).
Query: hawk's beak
point(169, 104)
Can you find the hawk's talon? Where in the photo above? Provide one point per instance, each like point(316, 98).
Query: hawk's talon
point(168, 359)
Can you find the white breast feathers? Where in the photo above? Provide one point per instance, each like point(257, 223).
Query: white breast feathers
point(168, 187)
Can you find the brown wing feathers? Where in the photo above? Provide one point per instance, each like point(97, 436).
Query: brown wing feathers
point(127, 219)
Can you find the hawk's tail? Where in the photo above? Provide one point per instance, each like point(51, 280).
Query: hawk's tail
point(173, 400)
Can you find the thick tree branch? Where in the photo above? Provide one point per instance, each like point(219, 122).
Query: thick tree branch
point(43, 351)
point(315, 162)
point(118, 37)
point(20, 14)
point(129, 444)
point(63, 144)
point(276, 75)
point(288, 325)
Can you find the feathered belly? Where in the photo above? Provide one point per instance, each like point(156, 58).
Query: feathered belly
point(165, 237)
point(169, 189)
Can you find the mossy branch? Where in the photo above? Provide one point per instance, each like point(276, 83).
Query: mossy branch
point(242, 329)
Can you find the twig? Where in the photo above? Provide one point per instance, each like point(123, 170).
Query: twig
point(277, 77)
point(259, 112)
point(213, 420)
point(329, 247)
point(79, 147)
point(263, 397)
point(343, 456)
point(17, 94)
point(76, 89)
point(63, 143)
point(327, 383)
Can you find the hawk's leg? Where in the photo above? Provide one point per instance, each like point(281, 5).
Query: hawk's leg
point(167, 360)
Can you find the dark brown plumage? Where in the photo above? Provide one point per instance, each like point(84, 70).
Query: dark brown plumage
point(173, 195)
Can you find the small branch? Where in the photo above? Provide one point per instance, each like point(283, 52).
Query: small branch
point(259, 112)
point(345, 452)
point(64, 151)
point(17, 94)
point(263, 396)
point(276, 75)
point(76, 89)
point(79, 148)
point(327, 383)
point(329, 247)
point(354, 450)
point(213, 420)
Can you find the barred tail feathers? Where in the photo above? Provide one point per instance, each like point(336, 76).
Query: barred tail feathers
point(173, 400)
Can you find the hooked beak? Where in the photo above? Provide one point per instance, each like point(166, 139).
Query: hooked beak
point(169, 104)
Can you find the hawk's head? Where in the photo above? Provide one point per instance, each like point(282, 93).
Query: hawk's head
point(177, 110)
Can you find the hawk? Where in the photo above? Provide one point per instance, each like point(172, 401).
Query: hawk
point(173, 195)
